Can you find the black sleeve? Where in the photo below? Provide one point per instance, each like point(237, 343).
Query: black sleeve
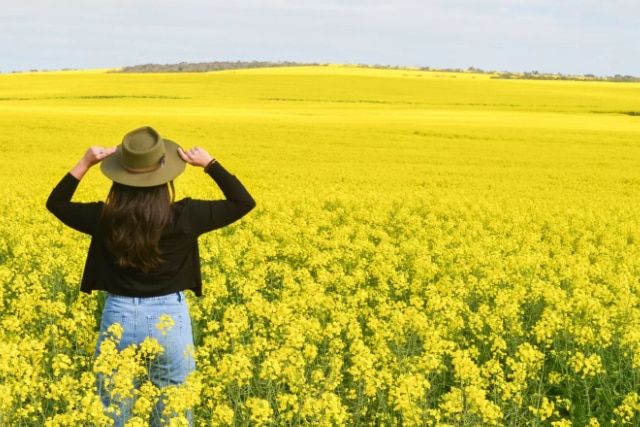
point(210, 215)
point(83, 217)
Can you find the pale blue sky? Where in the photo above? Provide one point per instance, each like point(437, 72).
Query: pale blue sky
point(555, 36)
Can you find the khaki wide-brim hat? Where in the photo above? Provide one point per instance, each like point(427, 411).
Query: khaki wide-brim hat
point(144, 159)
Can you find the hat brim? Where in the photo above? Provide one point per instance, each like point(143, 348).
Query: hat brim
point(172, 167)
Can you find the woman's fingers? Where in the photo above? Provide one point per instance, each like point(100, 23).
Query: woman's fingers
point(96, 154)
point(195, 156)
point(183, 155)
point(103, 153)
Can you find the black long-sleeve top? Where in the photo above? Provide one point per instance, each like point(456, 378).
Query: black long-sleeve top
point(178, 243)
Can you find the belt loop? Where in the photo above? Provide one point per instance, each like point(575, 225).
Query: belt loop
point(179, 296)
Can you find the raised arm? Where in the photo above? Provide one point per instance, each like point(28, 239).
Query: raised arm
point(79, 216)
point(210, 215)
point(91, 157)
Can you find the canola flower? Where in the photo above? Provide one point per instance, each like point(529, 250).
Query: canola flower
point(430, 249)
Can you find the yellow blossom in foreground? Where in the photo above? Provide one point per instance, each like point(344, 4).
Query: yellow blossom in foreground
point(429, 248)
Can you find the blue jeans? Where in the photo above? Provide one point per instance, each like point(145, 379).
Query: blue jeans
point(141, 318)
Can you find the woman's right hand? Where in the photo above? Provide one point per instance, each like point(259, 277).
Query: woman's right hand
point(195, 156)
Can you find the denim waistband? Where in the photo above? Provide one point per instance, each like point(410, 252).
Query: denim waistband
point(169, 298)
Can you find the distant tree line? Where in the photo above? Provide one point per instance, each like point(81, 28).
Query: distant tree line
point(534, 75)
point(203, 67)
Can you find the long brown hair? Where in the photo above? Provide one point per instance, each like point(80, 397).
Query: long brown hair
point(133, 219)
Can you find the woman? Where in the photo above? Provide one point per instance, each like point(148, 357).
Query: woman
point(144, 249)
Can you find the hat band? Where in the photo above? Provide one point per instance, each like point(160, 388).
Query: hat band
point(143, 170)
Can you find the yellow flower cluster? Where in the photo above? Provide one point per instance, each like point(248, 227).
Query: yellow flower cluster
point(124, 375)
point(429, 249)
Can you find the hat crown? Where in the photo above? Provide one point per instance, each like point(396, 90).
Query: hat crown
point(144, 159)
point(142, 150)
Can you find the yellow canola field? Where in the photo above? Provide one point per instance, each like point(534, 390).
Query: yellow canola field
point(429, 248)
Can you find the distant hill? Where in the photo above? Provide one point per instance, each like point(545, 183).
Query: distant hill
point(202, 67)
